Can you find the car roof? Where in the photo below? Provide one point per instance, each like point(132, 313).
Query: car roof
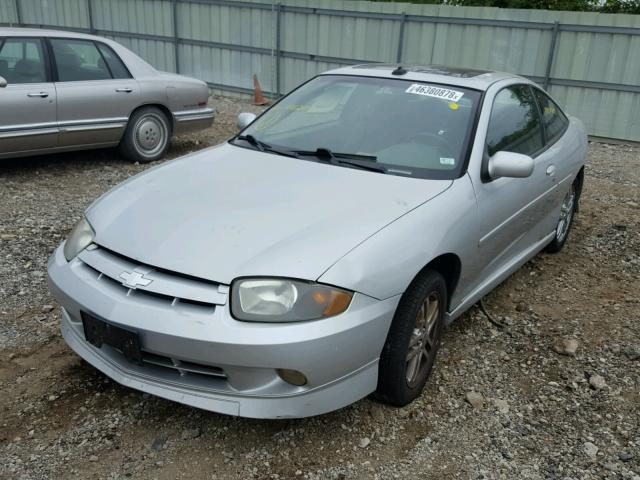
point(40, 32)
point(461, 77)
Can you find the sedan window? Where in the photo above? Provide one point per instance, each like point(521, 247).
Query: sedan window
point(400, 127)
point(79, 60)
point(22, 61)
point(515, 124)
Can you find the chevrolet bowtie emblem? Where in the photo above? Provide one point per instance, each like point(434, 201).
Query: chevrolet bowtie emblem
point(134, 279)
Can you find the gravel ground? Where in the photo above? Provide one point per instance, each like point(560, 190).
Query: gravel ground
point(553, 394)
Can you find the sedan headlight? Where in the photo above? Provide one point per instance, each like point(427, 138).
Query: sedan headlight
point(80, 238)
point(284, 300)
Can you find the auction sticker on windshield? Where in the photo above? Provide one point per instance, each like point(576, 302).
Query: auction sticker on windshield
point(436, 92)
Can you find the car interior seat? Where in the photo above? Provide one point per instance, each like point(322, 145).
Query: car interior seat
point(29, 71)
point(69, 66)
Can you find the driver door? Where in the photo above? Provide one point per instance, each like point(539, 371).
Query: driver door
point(515, 212)
point(28, 102)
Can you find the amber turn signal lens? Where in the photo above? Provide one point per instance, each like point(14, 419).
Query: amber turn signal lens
point(337, 303)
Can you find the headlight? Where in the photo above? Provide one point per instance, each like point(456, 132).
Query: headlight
point(283, 300)
point(80, 238)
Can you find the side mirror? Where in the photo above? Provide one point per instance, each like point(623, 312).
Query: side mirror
point(244, 119)
point(3, 82)
point(510, 164)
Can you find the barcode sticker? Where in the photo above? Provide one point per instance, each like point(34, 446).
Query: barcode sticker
point(436, 92)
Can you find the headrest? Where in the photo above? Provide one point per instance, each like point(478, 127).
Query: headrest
point(28, 67)
point(67, 60)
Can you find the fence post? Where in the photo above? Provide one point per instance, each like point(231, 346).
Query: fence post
point(552, 50)
point(278, 52)
point(19, 12)
point(92, 27)
point(401, 37)
point(176, 37)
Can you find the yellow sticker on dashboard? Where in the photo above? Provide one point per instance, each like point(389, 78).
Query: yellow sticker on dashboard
point(453, 106)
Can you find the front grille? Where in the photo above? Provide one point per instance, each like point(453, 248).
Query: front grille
point(173, 289)
point(182, 367)
point(172, 369)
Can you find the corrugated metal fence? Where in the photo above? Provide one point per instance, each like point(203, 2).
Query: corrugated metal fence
point(590, 62)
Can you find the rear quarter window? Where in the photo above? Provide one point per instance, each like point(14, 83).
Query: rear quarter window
point(553, 120)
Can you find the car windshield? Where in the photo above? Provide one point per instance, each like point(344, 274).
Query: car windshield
point(394, 126)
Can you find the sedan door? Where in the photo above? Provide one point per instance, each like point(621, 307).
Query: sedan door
point(28, 102)
point(515, 213)
point(96, 93)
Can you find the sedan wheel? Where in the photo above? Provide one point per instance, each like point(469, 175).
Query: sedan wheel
point(412, 343)
point(147, 136)
point(151, 134)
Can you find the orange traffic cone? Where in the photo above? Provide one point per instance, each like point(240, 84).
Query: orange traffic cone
point(258, 99)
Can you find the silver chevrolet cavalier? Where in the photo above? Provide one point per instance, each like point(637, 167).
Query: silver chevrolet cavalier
point(63, 91)
point(316, 257)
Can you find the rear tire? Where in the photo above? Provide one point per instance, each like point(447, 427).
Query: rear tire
point(410, 350)
point(567, 212)
point(147, 136)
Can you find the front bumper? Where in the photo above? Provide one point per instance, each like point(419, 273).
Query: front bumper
point(339, 355)
point(193, 120)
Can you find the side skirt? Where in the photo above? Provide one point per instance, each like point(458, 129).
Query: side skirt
point(497, 278)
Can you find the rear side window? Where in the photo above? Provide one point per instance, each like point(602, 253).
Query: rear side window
point(117, 68)
point(553, 120)
point(22, 61)
point(78, 60)
point(514, 125)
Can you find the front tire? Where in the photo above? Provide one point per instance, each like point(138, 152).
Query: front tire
point(146, 138)
point(414, 337)
point(567, 212)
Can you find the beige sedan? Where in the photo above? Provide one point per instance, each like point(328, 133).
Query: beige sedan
point(63, 91)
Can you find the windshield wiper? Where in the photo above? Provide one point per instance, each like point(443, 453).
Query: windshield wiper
point(253, 141)
point(364, 162)
point(265, 147)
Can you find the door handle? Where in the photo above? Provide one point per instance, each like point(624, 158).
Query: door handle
point(551, 170)
point(38, 95)
point(124, 90)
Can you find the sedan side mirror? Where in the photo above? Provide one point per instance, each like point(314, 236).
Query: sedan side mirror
point(244, 119)
point(3, 82)
point(510, 164)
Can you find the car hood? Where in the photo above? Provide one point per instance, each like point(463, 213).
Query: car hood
point(228, 211)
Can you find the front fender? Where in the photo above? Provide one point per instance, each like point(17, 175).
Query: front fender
point(386, 263)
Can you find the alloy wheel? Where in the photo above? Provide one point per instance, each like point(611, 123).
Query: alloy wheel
point(566, 214)
point(423, 339)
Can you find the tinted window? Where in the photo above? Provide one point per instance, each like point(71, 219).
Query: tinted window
point(78, 60)
point(410, 128)
point(553, 119)
point(117, 68)
point(22, 61)
point(515, 123)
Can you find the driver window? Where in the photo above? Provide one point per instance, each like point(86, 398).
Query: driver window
point(22, 61)
point(514, 125)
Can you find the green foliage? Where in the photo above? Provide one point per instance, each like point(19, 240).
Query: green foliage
point(607, 6)
point(621, 6)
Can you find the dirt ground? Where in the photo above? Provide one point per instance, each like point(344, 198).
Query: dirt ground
point(539, 412)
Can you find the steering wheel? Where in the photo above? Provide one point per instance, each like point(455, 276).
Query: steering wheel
point(431, 139)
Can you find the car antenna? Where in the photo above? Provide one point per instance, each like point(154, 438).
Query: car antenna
point(399, 71)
